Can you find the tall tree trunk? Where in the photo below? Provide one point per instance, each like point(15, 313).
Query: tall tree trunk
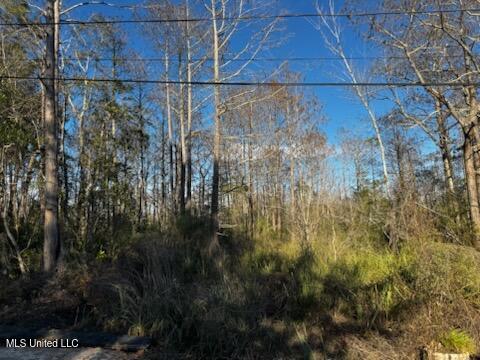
point(471, 185)
point(201, 198)
point(51, 238)
point(63, 163)
point(112, 175)
point(189, 114)
point(61, 115)
point(444, 145)
point(170, 127)
point(251, 189)
point(292, 186)
point(214, 209)
point(163, 174)
point(381, 146)
point(81, 198)
point(142, 198)
point(183, 150)
point(447, 167)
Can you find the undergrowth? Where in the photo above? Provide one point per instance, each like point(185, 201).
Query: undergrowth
point(279, 296)
point(181, 299)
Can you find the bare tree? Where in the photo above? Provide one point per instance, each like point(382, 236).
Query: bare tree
point(332, 35)
point(449, 41)
point(222, 32)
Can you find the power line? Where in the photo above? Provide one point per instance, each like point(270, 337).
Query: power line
point(266, 59)
point(247, 83)
point(242, 18)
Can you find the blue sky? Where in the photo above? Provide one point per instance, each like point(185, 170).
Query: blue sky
point(340, 105)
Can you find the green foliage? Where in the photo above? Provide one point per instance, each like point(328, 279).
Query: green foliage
point(447, 271)
point(264, 232)
point(101, 255)
point(370, 216)
point(14, 133)
point(454, 220)
point(15, 8)
point(373, 286)
point(458, 341)
point(367, 284)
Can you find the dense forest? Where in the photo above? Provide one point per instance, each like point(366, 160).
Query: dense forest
point(156, 180)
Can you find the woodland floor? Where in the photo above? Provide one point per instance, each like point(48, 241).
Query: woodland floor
point(63, 354)
point(81, 300)
point(55, 310)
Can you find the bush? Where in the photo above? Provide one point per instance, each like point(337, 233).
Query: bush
point(367, 285)
point(458, 341)
point(149, 298)
point(447, 272)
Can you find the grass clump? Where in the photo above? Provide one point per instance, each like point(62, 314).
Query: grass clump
point(458, 341)
point(446, 271)
point(367, 285)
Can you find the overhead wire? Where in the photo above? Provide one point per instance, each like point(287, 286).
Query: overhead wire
point(242, 18)
point(246, 83)
point(252, 59)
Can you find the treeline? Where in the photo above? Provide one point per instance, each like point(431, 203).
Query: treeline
point(88, 162)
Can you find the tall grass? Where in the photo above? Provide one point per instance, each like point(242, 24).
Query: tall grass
point(270, 288)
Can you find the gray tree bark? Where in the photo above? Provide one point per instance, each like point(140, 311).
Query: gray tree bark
point(51, 237)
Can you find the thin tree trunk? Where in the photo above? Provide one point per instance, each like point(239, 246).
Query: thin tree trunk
point(81, 198)
point(250, 173)
point(63, 164)
point(183, 150)
point(445, 150)
point(201, 204)
point(142, 205)
point(61, 115)
point(6, 201)
point(447, 168)
point(112, 175)
point(163, 169)
point(189, 114)
point(471, 185)
point(41, 181)
point(214, 214)
point(170, 128)
point(11, 238)
point(381, 147)
point(26, 186)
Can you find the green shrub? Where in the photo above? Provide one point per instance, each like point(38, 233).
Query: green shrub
point(458, 341)
point(447, 271)
point(367, 284)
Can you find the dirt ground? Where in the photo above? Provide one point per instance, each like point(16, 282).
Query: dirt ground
point(63, 354)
